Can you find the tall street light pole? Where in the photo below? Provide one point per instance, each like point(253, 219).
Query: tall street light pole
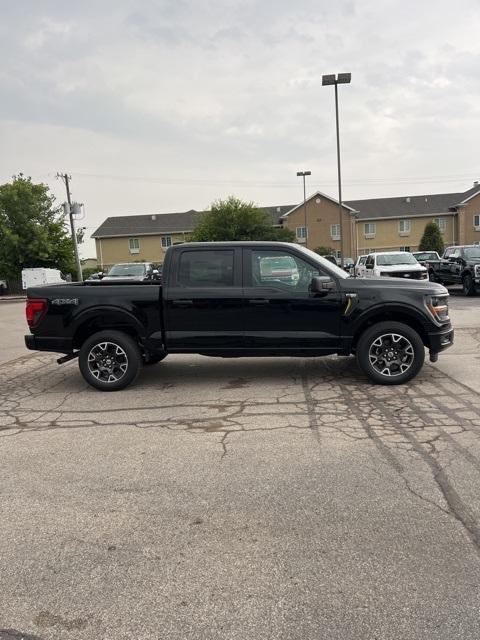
point(341, 78)
point(302, 174)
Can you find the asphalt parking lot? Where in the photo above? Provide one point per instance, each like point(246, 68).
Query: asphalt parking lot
point(270, 499)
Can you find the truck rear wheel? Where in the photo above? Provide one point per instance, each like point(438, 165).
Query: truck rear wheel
point(468, 285)
point(390, 353)
point(110, 360)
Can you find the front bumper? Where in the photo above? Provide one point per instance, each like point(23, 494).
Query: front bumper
point(42, 343)
point(441, 339)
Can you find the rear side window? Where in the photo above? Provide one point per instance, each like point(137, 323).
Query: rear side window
point(205, 269)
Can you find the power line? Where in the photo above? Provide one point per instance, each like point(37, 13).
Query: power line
point(414, 180)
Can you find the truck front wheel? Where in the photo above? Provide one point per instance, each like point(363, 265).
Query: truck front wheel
point(390, 353)
point(110, 360)
point(468, 285)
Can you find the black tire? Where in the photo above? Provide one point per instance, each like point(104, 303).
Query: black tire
point(154, 359)
point(377, 352)
point(468, 285)
point(432, 277)
point(110, 360)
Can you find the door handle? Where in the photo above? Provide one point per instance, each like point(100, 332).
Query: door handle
point(259, 302)
point(182, 303)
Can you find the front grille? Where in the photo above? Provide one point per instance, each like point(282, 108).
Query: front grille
point(411, 275)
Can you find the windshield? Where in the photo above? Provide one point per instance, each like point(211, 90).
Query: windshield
point(126, 270)
point(428, 255)
point(329, 266)
point(392, 259)
point(472, 252)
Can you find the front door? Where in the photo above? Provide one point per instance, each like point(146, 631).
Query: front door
point(281, 314)
point(203, 304)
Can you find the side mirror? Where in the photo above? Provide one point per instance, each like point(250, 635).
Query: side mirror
point(100, 275)
point(322, 285)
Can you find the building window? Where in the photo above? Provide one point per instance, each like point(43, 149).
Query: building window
point(405, 249)
point(166, 241)
point(476, 222)
point(370, 229)
point(134, 245)
point(404, 227)
point(335, 231)
point(337, 254)
point(441, 224)
point(301, 232)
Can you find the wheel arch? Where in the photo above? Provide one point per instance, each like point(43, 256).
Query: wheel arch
point(392, 314)
point(103, 319)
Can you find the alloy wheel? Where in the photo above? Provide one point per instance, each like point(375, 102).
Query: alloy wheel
point(107, 362)
point(391, 354)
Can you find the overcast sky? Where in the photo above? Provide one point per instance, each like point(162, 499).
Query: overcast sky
point(159, 105)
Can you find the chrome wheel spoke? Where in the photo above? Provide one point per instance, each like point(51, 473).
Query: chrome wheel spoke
point(107, 362)
point(391, 354)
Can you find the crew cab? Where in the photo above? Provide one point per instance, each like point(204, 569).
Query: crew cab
point(241, 299)
point(459, 265)
point(394, 264)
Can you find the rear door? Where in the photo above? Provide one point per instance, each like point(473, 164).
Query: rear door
point(204, 300)
point(281, 314)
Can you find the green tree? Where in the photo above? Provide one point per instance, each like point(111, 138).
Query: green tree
point(432, 239)
point(324, 251)
point(234, 219)
point(32, 229)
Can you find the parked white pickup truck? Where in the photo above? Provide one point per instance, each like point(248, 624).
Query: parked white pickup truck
point(394, 264)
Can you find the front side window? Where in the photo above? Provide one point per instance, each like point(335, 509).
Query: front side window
point(370, 228)
point(335, 231)
point(441, 224)
point(134, 245)
point(301, 232)
point(281, 270)
point(206, 269)
point(166, 241)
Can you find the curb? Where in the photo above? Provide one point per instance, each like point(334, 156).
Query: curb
point(12, 298)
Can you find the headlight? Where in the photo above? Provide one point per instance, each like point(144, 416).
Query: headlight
point(477, 270)
point(424, 275)
point(438, 307)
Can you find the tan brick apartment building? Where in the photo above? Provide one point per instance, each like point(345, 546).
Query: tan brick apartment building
point(378, 224)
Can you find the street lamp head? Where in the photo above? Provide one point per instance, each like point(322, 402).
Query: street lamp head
point(329, 79)
point(344, 78)
point(304, 173)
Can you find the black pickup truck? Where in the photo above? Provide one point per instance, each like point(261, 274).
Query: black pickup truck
point(459, 265)
point(241, 299)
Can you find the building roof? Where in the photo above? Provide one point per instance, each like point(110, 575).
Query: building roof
point(152, 224)
point(161, 223)
point(317, 194)
point(406, 206)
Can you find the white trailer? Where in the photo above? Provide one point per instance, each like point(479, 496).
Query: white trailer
point(40, 276)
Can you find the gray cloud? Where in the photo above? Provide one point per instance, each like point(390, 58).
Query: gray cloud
point(228, 92)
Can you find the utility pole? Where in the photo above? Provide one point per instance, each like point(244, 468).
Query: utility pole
point(66, 179)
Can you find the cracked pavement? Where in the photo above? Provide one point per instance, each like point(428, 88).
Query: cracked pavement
point(250, 498)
